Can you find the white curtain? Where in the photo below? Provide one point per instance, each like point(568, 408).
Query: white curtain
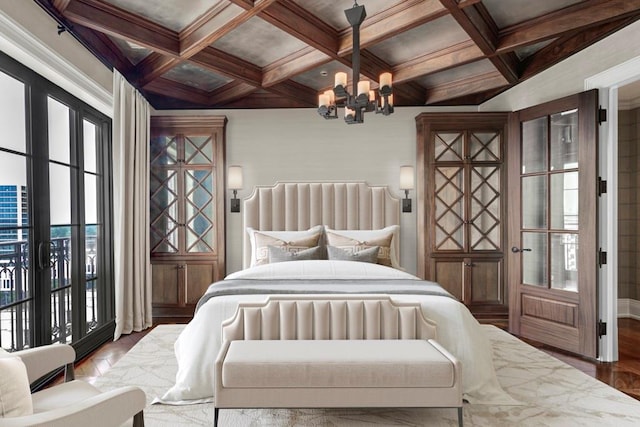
point(131, 208)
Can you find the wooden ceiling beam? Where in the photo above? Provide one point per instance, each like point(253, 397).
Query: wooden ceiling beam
point(114, 21)
point(459, 54)
point(401, 17)
point(566, 46)
point(558, 23)
point(464, 87)
point(294, 64)
point(177, 90)
point(228, 65)
point(215, 24)
point(230, 92)
point(290, 89)
point(154, 66)
point(60, 5)
point(266, 100)
point(484, 34)
point(301, 24)
point(245, 4)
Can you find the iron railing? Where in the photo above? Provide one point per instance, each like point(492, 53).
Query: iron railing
point(16, 297)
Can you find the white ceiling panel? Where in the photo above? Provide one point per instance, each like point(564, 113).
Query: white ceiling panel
point(332, 12)
point(427, 38)
point(509, 12)
point(171, 14)
point(458, 73)
point(194, 76)
point(259, 43)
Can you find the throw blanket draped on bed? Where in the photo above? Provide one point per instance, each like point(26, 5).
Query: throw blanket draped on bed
point(457, 330)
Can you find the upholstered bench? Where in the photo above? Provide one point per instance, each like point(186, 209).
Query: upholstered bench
point(333, 353)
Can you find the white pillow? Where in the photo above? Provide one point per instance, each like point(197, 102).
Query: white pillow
point(15, 394)
point(286, 236)
point(372, 235)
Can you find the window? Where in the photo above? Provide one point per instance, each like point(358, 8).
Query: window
point(55, 213)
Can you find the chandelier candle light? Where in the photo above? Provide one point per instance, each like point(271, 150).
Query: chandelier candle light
point(362, 99)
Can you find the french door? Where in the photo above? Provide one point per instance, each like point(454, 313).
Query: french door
point(55, 254)
point(553, 263)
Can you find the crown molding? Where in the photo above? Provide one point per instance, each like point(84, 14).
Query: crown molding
point(19, 43)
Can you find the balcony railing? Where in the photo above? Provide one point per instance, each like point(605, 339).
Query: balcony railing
point(16, 298)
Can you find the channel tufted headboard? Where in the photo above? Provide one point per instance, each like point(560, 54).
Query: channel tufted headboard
point(294, 206)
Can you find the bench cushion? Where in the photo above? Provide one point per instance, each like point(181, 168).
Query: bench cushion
point(336, 363)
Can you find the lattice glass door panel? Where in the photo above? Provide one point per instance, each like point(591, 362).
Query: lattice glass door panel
point(200, 211)
point(164, 211)
point(164, 150)
point(485, 200)
point(485, 146)
point(449, 146)
point(198, 150)
point(449, 207)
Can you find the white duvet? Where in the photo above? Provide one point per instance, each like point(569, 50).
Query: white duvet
point(457, 330)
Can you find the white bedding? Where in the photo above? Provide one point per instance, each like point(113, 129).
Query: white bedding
point(457, 330)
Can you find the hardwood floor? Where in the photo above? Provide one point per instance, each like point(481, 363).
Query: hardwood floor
point(623, 375)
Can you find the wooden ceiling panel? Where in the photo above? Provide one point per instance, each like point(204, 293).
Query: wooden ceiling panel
point(281, 53)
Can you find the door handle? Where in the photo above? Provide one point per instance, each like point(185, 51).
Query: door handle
point(515, 250)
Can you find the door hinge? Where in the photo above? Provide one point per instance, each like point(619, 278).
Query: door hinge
point(602, 257)
point(602, 186)
point(602, 328)
point(602, 115)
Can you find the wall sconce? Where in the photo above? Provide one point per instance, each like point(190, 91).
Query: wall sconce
point(406, 184)
point(234, 182)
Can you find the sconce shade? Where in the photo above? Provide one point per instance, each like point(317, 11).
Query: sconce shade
point(406, 178)
point(234, 178)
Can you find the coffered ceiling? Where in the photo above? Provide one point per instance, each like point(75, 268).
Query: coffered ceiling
point(283, 53)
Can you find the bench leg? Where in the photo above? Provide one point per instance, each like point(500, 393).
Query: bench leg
point(460, 416)
point(215, 416)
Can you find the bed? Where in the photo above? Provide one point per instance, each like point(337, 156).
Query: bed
point(292, 216)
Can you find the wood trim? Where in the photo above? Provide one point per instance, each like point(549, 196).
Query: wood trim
point(230, 92)
point(569, 19)
point(298, 62)
point(453, 56)
point(479, 83)
point(514, 272)
point(178, 90)
point(154, 66)
point(228, 65)
point(112, 20)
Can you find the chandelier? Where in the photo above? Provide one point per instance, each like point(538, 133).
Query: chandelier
point(361, 99)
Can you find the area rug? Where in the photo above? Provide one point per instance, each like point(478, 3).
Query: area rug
point(552, 392)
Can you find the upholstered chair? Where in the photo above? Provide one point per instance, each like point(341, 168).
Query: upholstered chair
point(69, 404)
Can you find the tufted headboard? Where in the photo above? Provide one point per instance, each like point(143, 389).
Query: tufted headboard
point(291, 206)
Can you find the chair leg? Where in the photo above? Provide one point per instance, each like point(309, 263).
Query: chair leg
point(460, 416)
point(215, 416)
point(138, 419)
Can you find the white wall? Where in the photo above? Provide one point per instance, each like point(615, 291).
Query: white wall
point(568, 76)
point(29, 35)
point(298, 145)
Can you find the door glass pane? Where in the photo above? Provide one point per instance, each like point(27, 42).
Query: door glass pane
point(91, 275)
point(564, 140)
point(58, 125)
point(448, 146)
point(60, 267)
point(564, 261)
point(89, 138)
point(449, 203)
point(534, 261)
point(90, 199)
point(164, 211)
point(198, 150)
point(534, 202)
point(485, 208)
point(564, 201)
point(485, 146)
point(200, 210)
point(60, 194)
point(534, 145)
point(12, 114)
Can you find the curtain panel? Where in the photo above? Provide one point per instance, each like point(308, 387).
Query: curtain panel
point(131, 208)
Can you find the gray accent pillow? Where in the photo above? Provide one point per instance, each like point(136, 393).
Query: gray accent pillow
point(277, 254)
point(365, 255)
